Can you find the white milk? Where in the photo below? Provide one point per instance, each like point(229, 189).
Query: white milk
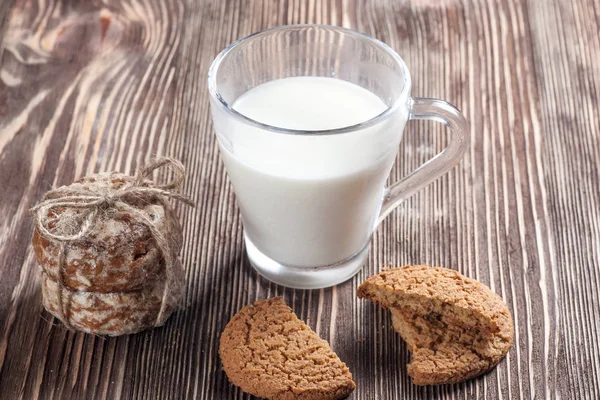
point(309, 200)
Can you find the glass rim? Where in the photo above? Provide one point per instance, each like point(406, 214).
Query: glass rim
point(214, 91)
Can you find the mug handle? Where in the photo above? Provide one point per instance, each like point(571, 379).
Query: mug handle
point(434, 110)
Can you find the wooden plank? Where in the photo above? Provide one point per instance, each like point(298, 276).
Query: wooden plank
point(90, 86)
point(566, 69)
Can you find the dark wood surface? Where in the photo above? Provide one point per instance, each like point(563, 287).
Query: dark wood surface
point(91, 86)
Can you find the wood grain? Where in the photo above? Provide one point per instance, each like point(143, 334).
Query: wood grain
point(5, 8)
point(103, 85)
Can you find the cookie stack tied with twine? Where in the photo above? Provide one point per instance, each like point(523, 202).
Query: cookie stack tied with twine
point(108, 248)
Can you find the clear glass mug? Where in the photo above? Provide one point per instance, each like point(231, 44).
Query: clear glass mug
point(309, 224)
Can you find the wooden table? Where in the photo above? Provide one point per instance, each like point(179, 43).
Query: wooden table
point(95, 86)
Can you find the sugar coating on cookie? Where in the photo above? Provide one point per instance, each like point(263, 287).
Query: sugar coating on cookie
point(268, 352)
point(455, 327)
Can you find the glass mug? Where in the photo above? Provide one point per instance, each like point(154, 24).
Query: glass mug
point(311, 197)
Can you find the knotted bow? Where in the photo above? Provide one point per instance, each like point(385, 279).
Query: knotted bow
point(141, 188)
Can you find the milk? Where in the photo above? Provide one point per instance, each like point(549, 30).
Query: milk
point(309, 200)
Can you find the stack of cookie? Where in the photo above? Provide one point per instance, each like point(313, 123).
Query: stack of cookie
point(111, 281)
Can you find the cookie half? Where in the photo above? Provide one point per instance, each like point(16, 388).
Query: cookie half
point(455, 327)
point(270, 353)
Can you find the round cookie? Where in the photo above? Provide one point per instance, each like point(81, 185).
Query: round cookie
point(455, 327)
point(270, 353)
point(114, 314)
